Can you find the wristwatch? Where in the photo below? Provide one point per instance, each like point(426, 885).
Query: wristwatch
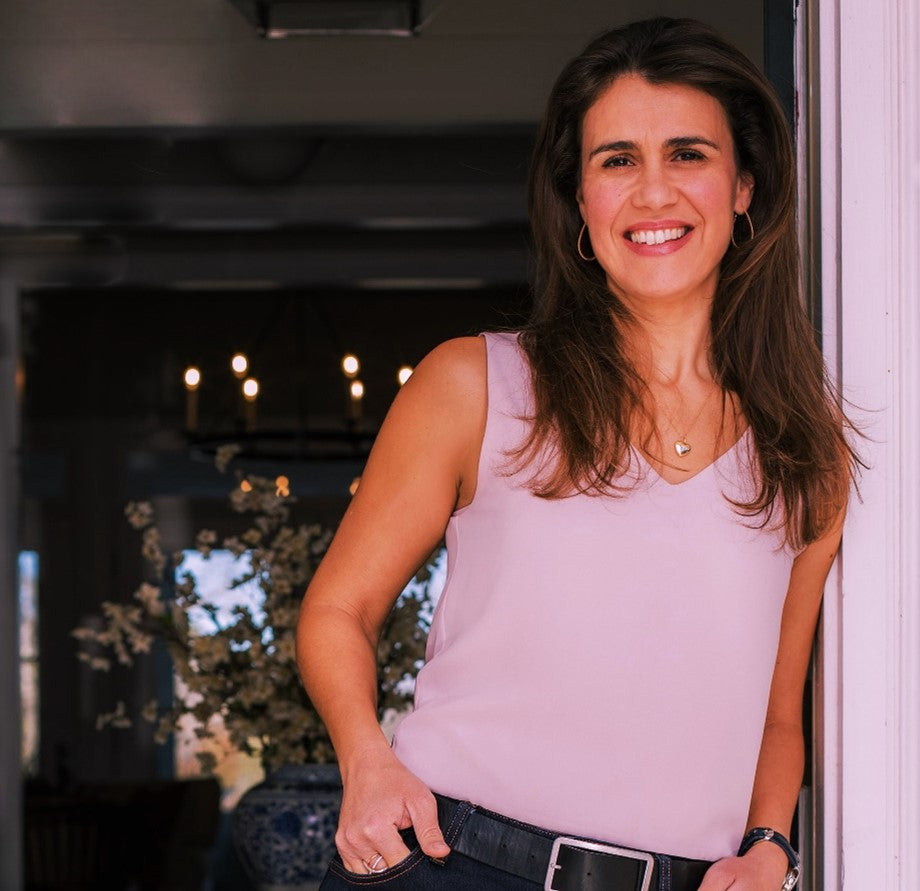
point(762, 833)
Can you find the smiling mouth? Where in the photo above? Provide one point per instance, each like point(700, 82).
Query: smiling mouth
point(657, 236)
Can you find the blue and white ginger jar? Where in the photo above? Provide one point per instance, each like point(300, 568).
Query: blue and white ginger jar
point(284, 828)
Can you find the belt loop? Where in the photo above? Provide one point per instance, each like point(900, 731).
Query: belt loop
point(452, 825)
point(664, 872)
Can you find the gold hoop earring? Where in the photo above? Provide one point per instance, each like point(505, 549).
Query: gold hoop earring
point(750, 223)
point(581, 253)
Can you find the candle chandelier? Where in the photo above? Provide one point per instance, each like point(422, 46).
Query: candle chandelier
point(350, 438)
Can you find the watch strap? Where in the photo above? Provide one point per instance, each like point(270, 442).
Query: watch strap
point(764, 833)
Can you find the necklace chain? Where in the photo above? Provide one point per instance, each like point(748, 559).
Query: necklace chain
point(682, 446)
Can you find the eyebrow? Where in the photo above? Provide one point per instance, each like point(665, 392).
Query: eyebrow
point(673, 143)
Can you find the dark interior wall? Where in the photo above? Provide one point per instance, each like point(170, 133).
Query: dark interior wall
point(103, 424)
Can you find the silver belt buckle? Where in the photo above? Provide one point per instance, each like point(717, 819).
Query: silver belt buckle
point(564, 841)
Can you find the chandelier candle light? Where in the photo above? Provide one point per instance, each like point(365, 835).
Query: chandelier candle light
point(350, 366)
point(353, 387)
point(356, 395)
point(246, 393)
point(192, 380)
point(250, 390)
point(240, 365)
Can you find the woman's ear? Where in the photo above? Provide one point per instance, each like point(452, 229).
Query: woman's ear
point(745, 193)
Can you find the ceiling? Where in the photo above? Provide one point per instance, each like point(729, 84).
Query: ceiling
point(159, 132)
point(118, 64)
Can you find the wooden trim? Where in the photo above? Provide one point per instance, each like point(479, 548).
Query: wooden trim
point(10, 733)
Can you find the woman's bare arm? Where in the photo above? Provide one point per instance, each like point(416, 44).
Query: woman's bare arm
point(780, 766)
point(422, 467)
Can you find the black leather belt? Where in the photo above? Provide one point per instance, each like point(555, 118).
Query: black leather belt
point(560, 863)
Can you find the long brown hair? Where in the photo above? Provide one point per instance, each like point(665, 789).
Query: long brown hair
point(763, 346)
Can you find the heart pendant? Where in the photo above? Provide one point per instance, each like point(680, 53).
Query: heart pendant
point(682, 448)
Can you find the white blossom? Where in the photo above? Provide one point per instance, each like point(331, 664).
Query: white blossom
point(152, 550)
point(210, 651)
point(235, 546)
point(251, 537)
point(165, 729)
point(118, 718)
point(285, 648)
point(225, 454)
point(149, 596)
point(205, 541)
point(151, 711)
point(96, 663)
point(139, 513)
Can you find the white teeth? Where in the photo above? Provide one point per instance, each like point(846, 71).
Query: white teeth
point(657, 236)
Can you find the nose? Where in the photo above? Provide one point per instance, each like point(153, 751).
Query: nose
point(654, 188)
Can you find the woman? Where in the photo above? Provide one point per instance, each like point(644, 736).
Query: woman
point(642, 495)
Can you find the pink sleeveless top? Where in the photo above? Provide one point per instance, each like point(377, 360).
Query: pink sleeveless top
point(600, 666)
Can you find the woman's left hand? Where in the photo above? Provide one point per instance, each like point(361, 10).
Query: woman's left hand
point(763, 868)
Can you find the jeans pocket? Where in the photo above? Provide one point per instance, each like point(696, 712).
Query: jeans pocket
point(390, 874)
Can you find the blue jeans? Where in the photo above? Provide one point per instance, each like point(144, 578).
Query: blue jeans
point(420, 873)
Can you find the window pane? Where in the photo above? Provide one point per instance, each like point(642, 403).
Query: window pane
point(28, 605)
point(28, 655)
point(28, 683)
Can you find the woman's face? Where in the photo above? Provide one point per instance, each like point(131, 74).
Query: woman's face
point(659, 187)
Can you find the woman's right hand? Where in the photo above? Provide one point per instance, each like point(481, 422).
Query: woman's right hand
point(381, 797)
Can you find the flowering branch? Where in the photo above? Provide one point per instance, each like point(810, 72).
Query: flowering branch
point(239, 663)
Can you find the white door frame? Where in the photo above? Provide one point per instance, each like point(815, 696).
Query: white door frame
point(868, 93)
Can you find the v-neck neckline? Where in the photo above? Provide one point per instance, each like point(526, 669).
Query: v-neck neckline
point(650, 469)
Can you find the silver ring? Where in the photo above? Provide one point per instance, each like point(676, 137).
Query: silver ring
point(374, 865)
